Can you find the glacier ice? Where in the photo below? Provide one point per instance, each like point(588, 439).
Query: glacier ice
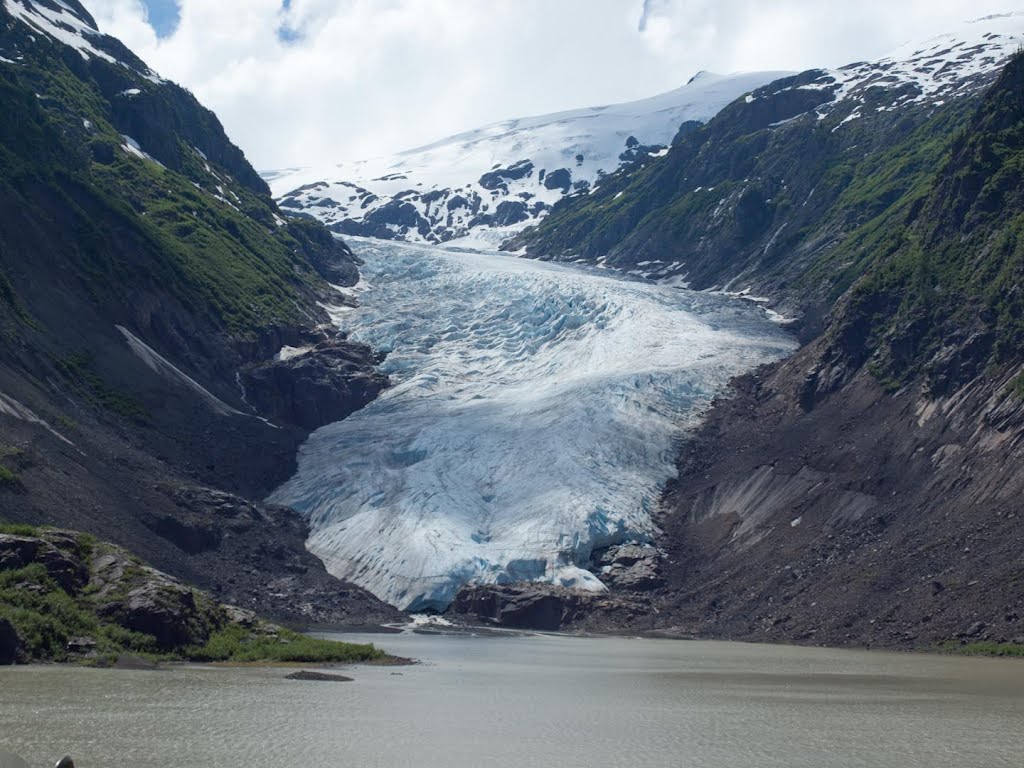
point(536, 413)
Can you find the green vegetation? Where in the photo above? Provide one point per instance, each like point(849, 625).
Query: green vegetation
point(199, 227)
point(8, 477)
point(17, 529)
point(46, 617)
point(77, 368)
point(236, 644)
point(949, 273)
point(1017, 385)
point(985, 649)
point(59, 618)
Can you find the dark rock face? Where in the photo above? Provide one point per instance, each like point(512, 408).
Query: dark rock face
point(58, 555)
point(533, 605)
point(332, 259)
point(854, 521)
point(499, 178)
point(395, 218)
point(17, 551)
point(510, 212)
point(323, 385)
point(10, 644)
point(260, 561)
point(637, 153)
point(559, 179)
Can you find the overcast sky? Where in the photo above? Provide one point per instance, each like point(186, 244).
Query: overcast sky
point(300, 82)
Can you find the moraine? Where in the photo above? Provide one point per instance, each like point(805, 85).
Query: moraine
point(535, 415)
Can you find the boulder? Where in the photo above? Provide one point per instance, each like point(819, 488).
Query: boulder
point(17, 551)
point(164, 609)
point(632, 567)
point(499, 177)
point(65, 568)
point(510, 212)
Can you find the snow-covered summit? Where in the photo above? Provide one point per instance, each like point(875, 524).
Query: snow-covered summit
point(69, 23)
point(482, 186)
point(502, 177)
point(939, 69)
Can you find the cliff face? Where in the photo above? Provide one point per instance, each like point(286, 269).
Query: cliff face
point(147, 284)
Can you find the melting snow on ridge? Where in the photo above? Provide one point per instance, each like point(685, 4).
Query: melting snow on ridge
point(941, 68)
point(534, 416)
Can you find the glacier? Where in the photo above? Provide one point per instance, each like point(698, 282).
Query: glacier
point(536, 413)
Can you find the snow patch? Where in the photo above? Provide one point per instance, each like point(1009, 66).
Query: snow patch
point(11, 407)
point(131, 146)
point(160, 365)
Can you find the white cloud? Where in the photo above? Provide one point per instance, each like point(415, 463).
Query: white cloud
point(367, 77)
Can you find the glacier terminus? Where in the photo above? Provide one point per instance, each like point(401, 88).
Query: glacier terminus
point(535, 415)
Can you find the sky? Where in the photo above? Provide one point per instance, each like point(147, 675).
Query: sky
point(312, 82)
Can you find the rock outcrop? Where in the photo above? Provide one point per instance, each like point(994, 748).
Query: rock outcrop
point(541, 606)
point(318, 385)
point(119, 608)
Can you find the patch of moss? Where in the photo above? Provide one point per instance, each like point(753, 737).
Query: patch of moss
point(8, 479)
point(236, 644)
point(18, 529)
point(78, 369)
point(1017, 386)
point(986, 649)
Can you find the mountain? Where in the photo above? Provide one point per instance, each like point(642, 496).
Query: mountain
point(481, 186)
point(148, 286)
point(864, 491)
point(870, 485)
point(765, 197)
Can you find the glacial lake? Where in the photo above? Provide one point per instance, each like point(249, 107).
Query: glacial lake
point(534, 700)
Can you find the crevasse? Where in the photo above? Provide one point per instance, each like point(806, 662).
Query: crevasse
point(535, 414)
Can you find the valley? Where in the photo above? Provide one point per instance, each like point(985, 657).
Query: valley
point(739, 360)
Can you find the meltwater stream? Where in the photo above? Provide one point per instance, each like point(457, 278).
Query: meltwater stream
point(535, 414)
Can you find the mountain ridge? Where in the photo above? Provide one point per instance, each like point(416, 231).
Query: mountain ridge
point(479, 186)
point(863, 491)
point(148, 283)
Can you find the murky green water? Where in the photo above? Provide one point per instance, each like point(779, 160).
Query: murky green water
point(535, 701)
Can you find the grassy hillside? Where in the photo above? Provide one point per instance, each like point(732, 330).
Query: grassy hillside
point(66, 596)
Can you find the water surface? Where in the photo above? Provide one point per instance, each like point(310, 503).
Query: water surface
point(534, 701)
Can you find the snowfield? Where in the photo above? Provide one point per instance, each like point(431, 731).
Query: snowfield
point(482, 186)
point(535, 415)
